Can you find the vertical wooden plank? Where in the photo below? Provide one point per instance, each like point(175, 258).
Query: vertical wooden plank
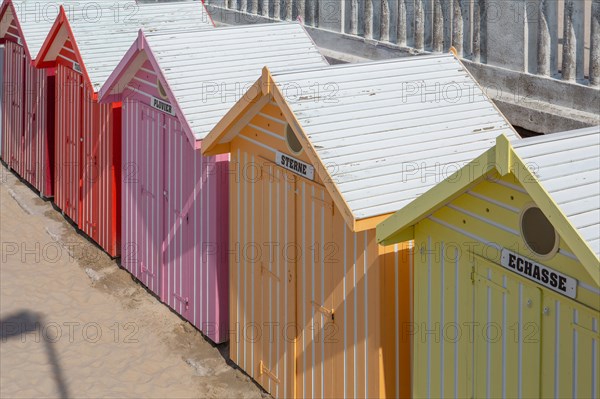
point(530, 348)
point(331, 253)
point(448, 331)
point(340, 305)
point(390, 324)
point(234, 261)
point(351, 325)
point(587, 340)
point(373, 316)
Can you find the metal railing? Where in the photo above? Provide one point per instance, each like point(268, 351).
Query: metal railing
point(553, 38)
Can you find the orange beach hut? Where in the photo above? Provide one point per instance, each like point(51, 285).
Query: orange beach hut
point(318, 158)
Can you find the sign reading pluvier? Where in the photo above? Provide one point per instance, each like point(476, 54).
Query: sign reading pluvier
point(292, 164)
point(541, 274)
point(162, 106)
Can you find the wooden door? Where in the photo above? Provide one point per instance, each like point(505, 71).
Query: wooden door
point(68, 144)
point(143, 188)
point(92, 167)
point(315, 317)
point(276, 268)
point(178, 220)
point(507, 334)
point(13, 98)
point(31, 133)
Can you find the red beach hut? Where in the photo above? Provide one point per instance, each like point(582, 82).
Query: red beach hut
point(175, 88)
point(88, 134)
point(27, 109)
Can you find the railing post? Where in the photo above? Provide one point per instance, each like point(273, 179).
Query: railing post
point(311, 13)
point(419, 25)
point(544, 45)
point(385, 21)
point(595, 45)
point(264, 9)
point(354, 17)
point(229, 4)
point(569, 63)
point(277, 9)
point(547, 38)
point(253, 7)
point(289, 10)
point(301, 7)
point(244, 5)
point(401, 26)
point(438, 27)
point(457, 27)
point(368, 19)
point(478, 29)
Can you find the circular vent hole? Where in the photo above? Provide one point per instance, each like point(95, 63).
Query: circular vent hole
point(292, 141)
point(538, 233)
point(161, 90)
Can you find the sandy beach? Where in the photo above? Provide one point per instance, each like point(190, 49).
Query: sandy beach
point(73, 324)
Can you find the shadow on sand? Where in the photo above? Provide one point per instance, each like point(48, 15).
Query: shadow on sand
point(17, 325)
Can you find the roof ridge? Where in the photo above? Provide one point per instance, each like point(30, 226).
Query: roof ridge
point(546, 138)
point(220, 28)
point(363, 64)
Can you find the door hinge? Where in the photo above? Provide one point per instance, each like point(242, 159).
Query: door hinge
point(267, 372)
point(182, 299)
point(146, 192)
point(145, 270)
point(264, 269)
point(92, 224)
point(324, 310)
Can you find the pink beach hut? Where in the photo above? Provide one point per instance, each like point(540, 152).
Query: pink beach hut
point(84, 51)
point(175, 88)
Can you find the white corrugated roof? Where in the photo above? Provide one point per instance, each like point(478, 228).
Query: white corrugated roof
point(231, 58)
point(36, 18)
point(567, 165)
point(103, 41)
point(389, 131)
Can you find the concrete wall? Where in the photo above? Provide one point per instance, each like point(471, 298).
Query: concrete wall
point(517, 49)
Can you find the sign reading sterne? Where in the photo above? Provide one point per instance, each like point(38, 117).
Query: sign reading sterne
point(541, 274)
point(292, 164)
point(162, 106)
point(76, 67)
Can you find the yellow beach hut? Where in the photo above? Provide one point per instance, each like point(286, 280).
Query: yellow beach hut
point(318, 308)
point(506, 272)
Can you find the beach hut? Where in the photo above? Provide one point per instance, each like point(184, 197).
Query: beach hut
point(27, 109)
point(87, 152)
point(175, 87)
point(1, 93)
point(319, 157)
point(506, 272)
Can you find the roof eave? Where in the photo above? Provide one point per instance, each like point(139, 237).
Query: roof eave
point(253, 100)
point(110, 90)
point(399, 227)
point(502, 158)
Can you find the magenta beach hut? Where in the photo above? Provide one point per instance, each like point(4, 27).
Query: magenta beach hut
point(175, 88)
